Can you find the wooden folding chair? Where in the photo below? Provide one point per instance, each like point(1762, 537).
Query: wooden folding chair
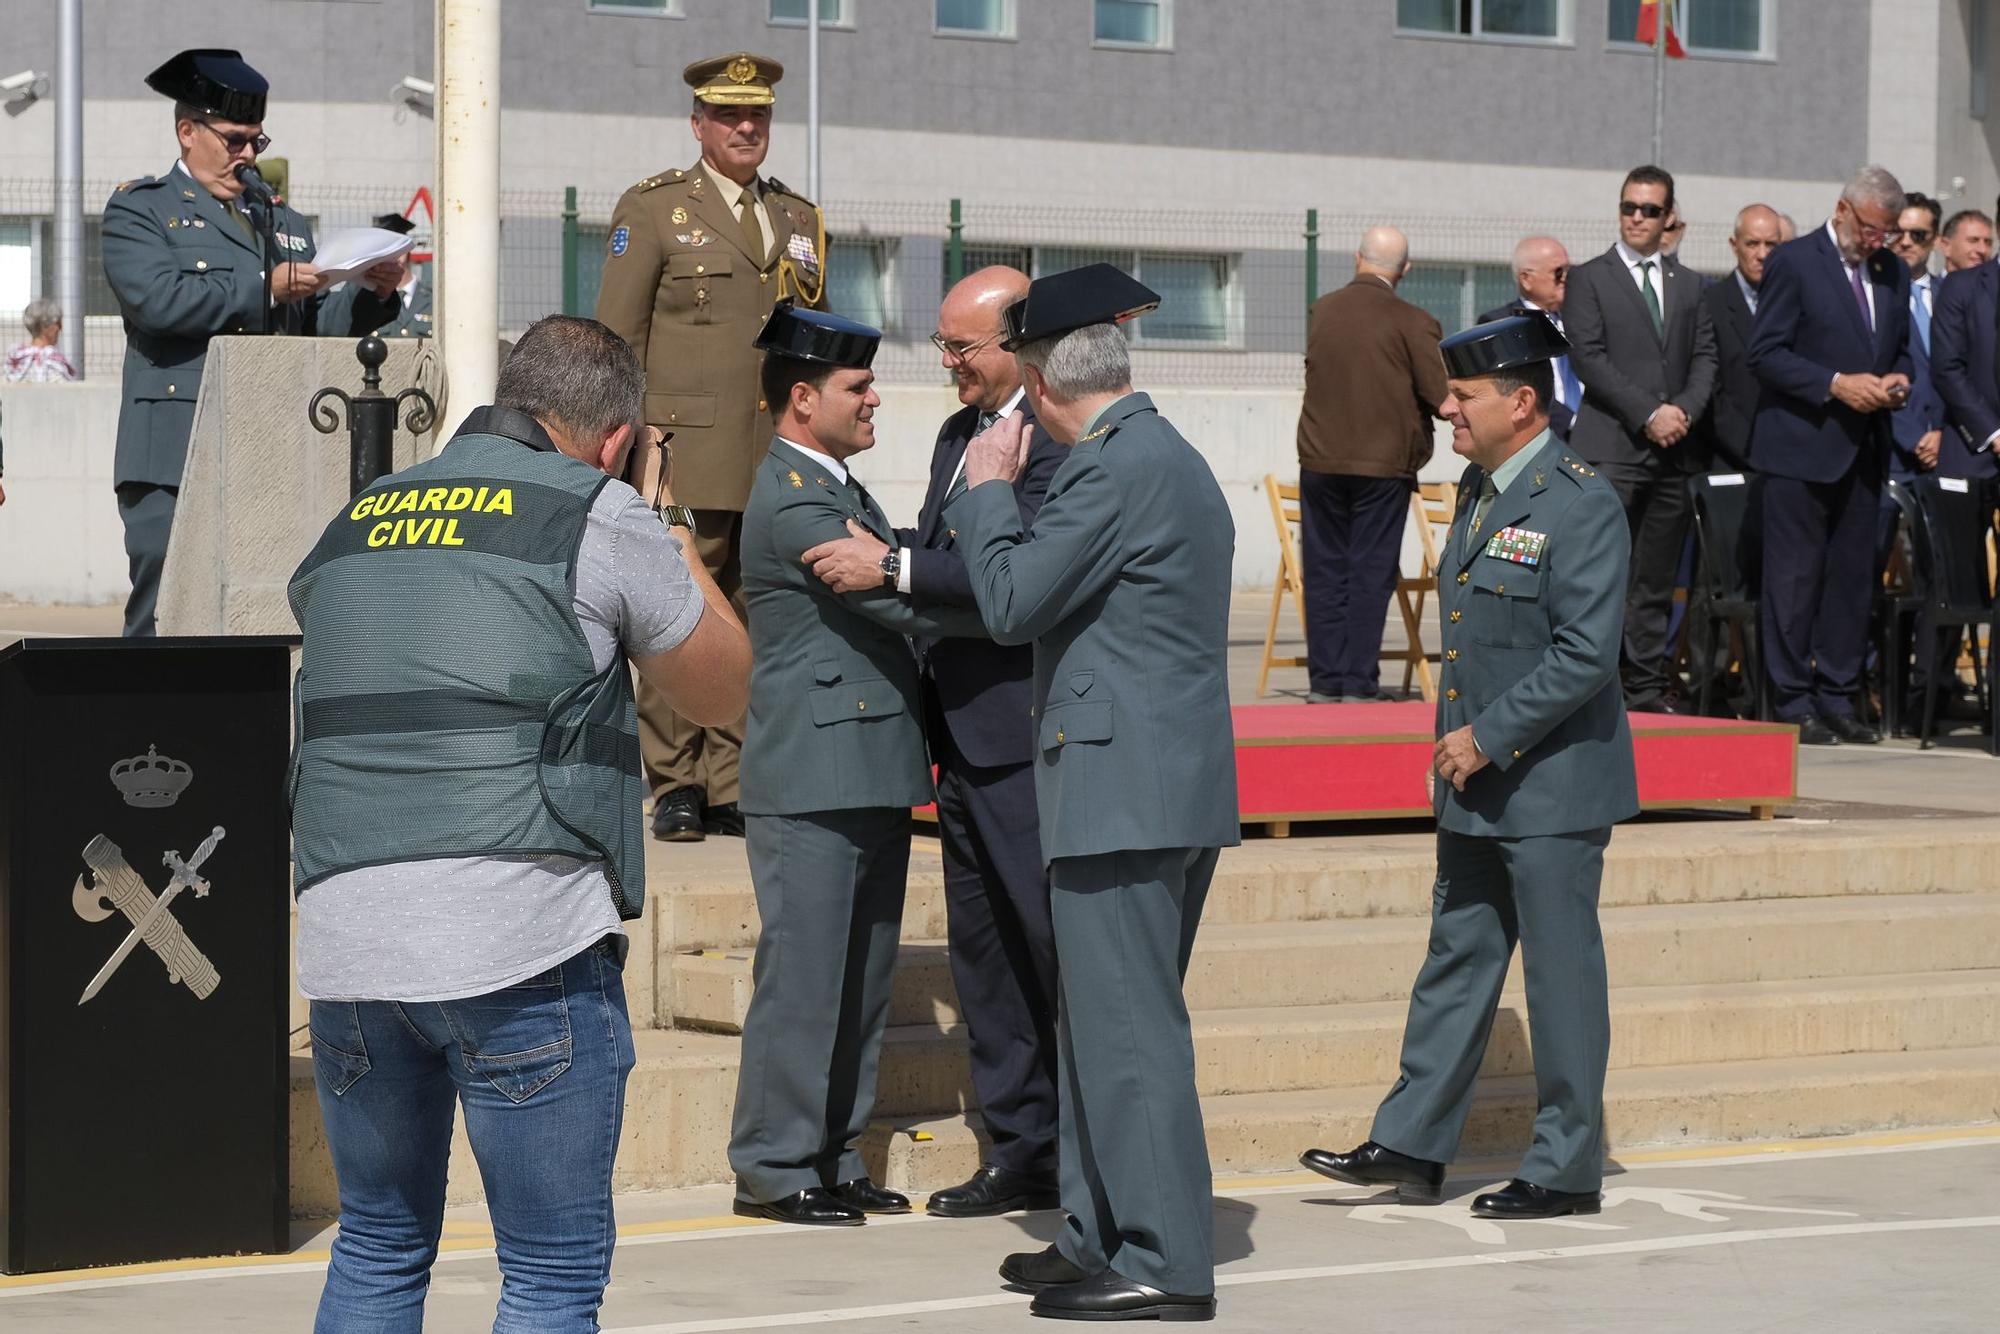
point(1284, 498)
point(1432, 505)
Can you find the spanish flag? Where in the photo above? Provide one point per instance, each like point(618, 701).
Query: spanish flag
point(1649, 31)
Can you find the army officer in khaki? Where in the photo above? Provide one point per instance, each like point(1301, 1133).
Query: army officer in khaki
point(1533, 766)
point(697, 258)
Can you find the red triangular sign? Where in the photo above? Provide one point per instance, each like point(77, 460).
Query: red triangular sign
point(420, 211)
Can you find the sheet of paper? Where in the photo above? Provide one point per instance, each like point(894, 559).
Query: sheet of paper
point(346, 254)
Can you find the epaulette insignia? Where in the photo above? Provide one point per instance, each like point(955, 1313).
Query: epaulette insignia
point(123, 186)
point(773, 183)
point(187, 194)
point(793, 477)
point(1102, 430)
point(654, 182)
point(1581, 469)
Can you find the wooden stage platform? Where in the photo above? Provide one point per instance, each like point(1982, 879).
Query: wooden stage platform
point(1297, 762)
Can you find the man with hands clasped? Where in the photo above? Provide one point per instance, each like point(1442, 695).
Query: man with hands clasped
point(1533, 766)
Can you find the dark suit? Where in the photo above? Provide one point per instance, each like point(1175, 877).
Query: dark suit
point(978, 700)
point(1733, 408)
point(1562, 412)
point(1629, 371)
point(1962, 356)
point(1823, 463)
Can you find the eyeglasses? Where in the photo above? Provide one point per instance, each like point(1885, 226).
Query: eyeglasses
point(961, 351)
point(1630, 207)
point(236, 143)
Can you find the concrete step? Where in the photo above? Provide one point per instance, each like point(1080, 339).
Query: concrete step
point(1677, 1104)
point(924, 1068)
point(1320, 879)
point(1336, 962)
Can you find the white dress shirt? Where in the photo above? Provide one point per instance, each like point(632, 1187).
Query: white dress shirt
point(732, 198)
point(903, 570)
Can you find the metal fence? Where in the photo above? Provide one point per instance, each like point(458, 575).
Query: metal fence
point(1236, 285)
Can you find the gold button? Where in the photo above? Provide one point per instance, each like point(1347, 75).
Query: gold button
point(1059, 736)
point(1451, 694)
point(673, 416)
point(952, 531)
point(861, 704)
point(701, 268)
point(1501, 588)
point(1451, 655)
point(170, 389)
point(201, 264)
point(763, 277)
point(761, 407)
point(1517, 754)
point(1463, 576)
point(1455, 615)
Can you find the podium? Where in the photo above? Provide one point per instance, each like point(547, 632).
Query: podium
point(144, 886)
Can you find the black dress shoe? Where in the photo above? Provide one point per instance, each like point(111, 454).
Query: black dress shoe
point(1036, 1270)
point(725, 819)
point(869, 1198)
point(1112, 1296)
point(677, 816)
point(995, 1190)
point(1850, 729)
point(814, 1207)
point(1814, 732)
point(1524, 1199)
point(1417, 1181)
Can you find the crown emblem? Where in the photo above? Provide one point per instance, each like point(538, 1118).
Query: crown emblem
point(741, 70)
point(151, 780)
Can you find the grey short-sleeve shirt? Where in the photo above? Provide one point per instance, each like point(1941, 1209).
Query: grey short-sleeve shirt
point(465, 926)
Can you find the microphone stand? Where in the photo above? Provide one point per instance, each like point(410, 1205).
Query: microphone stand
point(263, 218)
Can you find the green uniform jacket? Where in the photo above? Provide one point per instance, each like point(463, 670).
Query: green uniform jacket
point(414, 320)
point(1123, 585)
point(1531, 653)
point(834, 722)
point(184, 272)
point(682, 287)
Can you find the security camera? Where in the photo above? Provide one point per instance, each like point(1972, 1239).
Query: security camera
point(414, 94)
point(23, 90)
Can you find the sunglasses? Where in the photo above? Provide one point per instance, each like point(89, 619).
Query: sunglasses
point(1918, 235)
point(1631, 207)
point(236, 143)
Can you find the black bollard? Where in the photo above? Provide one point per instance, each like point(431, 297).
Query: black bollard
point(371, 417)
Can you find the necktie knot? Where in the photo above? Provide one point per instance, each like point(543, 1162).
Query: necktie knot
point(986, 419)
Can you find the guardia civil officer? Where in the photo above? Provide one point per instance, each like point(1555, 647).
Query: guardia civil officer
point(1122, 585)
point(697, 258)
point(466, 824)
point(1533, 766)
point(833, 760)
point(184, 257)
point(413, 286)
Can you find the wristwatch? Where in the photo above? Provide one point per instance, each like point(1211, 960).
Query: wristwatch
point(892, 565)
point(677, 516)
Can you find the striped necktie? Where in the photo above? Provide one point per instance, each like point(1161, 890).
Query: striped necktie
point(958, 487)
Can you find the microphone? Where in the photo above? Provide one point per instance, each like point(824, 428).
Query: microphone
point(255, 188)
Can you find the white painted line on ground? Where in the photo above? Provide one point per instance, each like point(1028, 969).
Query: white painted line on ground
point(1691, 1242)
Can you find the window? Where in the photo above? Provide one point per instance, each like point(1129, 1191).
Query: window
point(1198, 305)
point(1458, 294)
point(857, 280)
point(975, 18)
point(666, 9)
point(1140, 23)
point(1508, 20)
point(832, 13)
point(1705, 27)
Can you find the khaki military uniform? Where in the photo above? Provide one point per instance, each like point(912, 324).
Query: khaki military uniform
point(689, 290)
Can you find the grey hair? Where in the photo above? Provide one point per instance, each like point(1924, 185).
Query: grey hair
point(1874, 185)
point(1091, 360)
point(576, 373)
point(40, 314)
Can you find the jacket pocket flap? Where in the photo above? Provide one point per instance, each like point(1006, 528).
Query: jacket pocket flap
point(870, 697)
point(680, 409)
point(1081, 720)
point(1080, 682)
point(703, 263)
point(827, 672)
point(1507, 579)
point(153, 383)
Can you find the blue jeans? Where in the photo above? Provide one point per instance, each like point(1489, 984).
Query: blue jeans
point(541, 1069)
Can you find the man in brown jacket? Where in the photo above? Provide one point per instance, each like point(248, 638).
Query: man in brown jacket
point(1374, 380)
point(695, 261)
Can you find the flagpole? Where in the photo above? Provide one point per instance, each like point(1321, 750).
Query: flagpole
point(1660, 21)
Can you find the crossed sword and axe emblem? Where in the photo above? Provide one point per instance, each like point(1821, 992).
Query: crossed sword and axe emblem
point(119, 888)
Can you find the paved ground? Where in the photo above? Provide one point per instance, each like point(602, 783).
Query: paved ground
point(1884, 1233)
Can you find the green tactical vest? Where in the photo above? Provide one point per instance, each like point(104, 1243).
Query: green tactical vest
point(446, 704)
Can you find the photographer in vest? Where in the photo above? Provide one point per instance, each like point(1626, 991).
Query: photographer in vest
point(466, 797)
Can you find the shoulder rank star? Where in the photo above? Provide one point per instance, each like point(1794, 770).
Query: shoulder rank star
point(794, 478)
point(1092, 435)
